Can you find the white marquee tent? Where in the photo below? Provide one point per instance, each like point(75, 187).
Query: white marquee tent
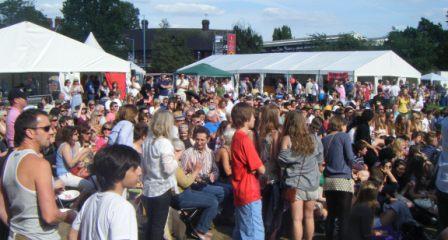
point(27, 47)
point(434, 77)
point(356, 63)
point(92, 42)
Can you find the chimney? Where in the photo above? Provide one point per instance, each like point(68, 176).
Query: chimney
point(57, 23)
point(145, 24)
point(205, 25)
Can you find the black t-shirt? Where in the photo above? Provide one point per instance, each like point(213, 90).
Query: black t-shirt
point(360, 222)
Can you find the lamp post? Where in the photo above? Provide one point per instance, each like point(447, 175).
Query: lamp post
point(144, 26)
point(133, 48)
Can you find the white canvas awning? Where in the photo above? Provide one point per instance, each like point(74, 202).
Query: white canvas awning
point(359, 63)
point(92, 42)
point(434, 77)
point(27, 47)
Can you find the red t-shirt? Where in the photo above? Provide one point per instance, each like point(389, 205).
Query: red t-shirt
point(245, 160)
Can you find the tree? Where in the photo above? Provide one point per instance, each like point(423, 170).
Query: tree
point(164, 23)
point(282, 33)
point(347, 42)
point(423, 47)
point(15, 11)
point(109, 20)
point(169, 52)
point(414, 46)
point(320, 42)
point(247, 40)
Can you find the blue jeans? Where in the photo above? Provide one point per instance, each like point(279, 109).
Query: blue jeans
point(197, 199)
point(217, 191)
point(248, 222)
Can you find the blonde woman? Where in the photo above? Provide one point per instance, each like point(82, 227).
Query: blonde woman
point(415, 123)
point(123, 131)
point(379, 122)
point(400, 148)
point(159, 167)
point(301, 154)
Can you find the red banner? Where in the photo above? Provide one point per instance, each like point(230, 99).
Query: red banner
point(343, 76)
point(231, 43)
point(120, 79)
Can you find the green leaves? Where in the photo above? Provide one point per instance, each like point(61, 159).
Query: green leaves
point(15, 11)
point(282, 33)
point(423, 47)
point(169, 51)
point(247, 40)
point(109, 20)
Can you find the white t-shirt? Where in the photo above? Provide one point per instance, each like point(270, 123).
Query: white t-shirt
point(106, 215)
point(395, 90)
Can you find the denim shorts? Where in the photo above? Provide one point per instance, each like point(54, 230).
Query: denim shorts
point(248, 222)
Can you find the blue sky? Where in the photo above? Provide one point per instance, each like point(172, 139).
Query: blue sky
point(371, 18)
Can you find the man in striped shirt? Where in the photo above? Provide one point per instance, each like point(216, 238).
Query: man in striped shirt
point(200, 153)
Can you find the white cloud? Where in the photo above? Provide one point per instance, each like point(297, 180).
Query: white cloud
point(283, 14)
point(189, 8)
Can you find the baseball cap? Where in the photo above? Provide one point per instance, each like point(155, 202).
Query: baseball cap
point(16, 93)
point(179, 116)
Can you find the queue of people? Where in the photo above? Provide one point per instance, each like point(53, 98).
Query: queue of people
point(337, 159)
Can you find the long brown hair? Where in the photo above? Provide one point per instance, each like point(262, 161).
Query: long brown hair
point(127, 112)
point(295, 127)
point(368, 194)
point(268, 120)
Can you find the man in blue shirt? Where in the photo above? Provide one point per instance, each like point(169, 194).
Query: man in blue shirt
point(165, 87)
point(212, 123)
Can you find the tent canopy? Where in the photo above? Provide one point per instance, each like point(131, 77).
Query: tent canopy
point(359, 63)
point(92, 42)
point(434, 77)
point(204, 69)
point(27, 47)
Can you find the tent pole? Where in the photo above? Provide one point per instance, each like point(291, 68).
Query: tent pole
point(237, 86)
point(262, 77)
point(375, 84)
point(288, 84)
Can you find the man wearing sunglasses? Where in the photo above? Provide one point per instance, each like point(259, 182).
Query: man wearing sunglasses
point(27, 196)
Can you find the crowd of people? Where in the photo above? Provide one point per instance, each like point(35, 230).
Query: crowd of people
point(345, 158)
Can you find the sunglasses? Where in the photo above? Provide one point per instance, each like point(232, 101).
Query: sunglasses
point(108, 129)
point(46, 128)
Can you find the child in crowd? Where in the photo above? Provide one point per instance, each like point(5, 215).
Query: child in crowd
point(106, 214)
point(246, 165)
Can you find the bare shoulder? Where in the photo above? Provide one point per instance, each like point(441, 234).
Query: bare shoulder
point(34, 161)
point(286, 142)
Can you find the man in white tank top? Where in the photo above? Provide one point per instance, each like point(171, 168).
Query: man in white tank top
point(27, 199)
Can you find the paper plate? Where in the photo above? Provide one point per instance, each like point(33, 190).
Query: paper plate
point(64, 209)
point(68, 195)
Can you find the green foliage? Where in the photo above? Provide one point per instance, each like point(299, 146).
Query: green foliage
point(247, 40)
point(346, 42)
point(424, 47)
point(282, 33)
point(169, 52)
point(107, 19)
point(15, 11)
